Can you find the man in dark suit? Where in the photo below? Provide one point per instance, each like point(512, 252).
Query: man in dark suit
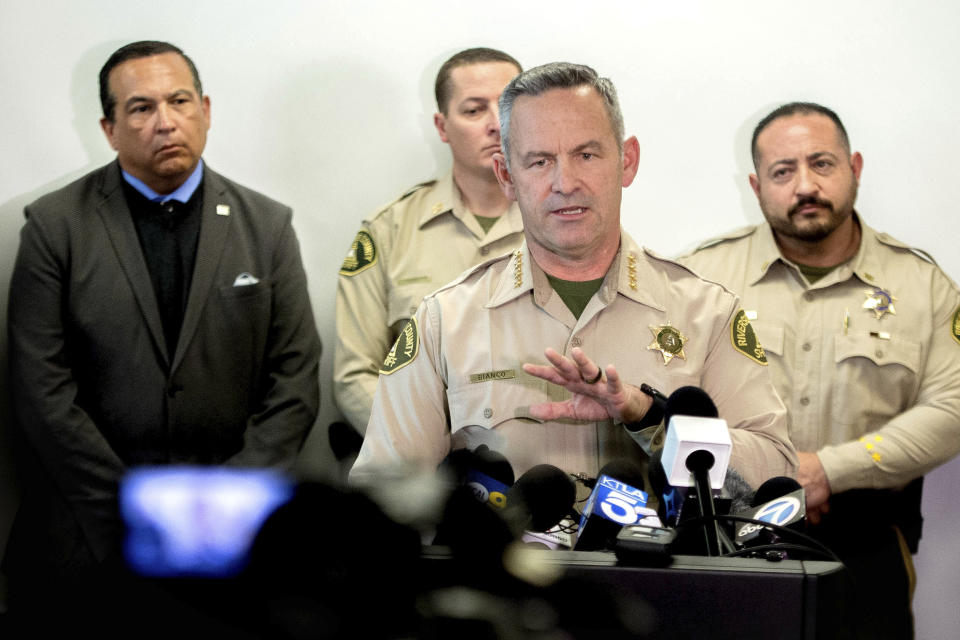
point(158, 315)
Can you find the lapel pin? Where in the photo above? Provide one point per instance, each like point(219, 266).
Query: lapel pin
point(223, 209)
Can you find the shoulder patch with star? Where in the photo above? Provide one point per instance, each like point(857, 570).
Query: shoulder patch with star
point(404, 350)
point(362, 255)
point(745, 340)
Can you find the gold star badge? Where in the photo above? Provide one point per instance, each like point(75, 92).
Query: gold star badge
point(668, 341)
point(880, 302)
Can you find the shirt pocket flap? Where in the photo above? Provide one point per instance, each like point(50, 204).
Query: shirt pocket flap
point(488, 404)
point(879, 350)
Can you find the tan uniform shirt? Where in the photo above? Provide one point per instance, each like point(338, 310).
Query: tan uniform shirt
point(876, 394)
point(412, 247)
point(455, 377)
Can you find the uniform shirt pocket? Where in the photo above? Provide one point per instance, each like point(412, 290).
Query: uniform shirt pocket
point(876, 379)
point(488, 404)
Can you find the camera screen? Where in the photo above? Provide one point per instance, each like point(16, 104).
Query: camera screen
point(196, 521)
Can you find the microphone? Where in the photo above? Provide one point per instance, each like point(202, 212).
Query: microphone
point(486, 473)
point(685, 401)
point(779, 501)
point(481, 479)
point(540, 499)
point(618, 499)
point(696, 454)
point(689, 401)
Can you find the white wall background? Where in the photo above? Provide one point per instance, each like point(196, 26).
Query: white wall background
point(327, 106)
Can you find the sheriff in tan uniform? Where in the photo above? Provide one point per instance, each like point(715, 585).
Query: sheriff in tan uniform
point(410, 248)
point(465, 371)
point(863, 335)
point(454, 378)
point(866, 359)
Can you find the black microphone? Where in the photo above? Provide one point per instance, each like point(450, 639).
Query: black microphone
point(486, 472)
point(779, 501)
point(774, 488)
point(618, 499)
point(540, 499)
point(689, 401)
point(480, 479)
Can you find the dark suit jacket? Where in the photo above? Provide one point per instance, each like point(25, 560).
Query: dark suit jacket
point(95, 390)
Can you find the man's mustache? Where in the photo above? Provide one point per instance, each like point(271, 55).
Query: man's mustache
point(802, 202)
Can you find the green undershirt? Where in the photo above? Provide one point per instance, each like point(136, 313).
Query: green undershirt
point(812, 274)
point(576, 295)
point(486, 222)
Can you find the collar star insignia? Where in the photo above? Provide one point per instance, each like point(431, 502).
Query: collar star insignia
point(880, 302)
point(668, 341)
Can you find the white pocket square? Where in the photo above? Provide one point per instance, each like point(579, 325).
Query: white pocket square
point(245, 279)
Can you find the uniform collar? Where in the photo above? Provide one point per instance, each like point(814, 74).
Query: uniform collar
point(865, 263)
point(630, 275)
point(445, 199)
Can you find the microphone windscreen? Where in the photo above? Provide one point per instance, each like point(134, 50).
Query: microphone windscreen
point(689, 401)
point(457, 464)
point(626, 471)
point(460, 463)
point(738, 490)
point(494, 464)
point(774, 488)
point(544, 495)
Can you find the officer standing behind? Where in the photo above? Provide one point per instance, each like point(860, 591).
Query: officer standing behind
point(429, 235)
point(578, 285)
point(158, 315)
point(864, 336)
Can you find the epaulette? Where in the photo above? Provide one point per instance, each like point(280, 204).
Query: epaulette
point(890, 241)
point(672, 262)
point(379, 211)
point(665, 260)
point(736, 234)
point(412, 190)
point(470, 271)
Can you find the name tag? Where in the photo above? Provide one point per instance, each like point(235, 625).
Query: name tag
point(504, 374)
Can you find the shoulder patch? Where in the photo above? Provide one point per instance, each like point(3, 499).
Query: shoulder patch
point(744, 338)
point(955, 325)
point(362, 255)
point(404, 350)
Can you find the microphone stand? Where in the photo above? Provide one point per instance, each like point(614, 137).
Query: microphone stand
point(699, 463)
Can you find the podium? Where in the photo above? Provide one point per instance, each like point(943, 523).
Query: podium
point(706, 597)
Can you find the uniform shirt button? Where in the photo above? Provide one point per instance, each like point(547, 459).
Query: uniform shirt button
point(807, 346)
point(484, 251)
point(488, 413)
point(576, 342)
point(804, 401)
point(879, 353)
point(413, 310)
point(808, 296)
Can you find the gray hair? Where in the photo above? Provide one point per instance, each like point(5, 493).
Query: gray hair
point(558, 75)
